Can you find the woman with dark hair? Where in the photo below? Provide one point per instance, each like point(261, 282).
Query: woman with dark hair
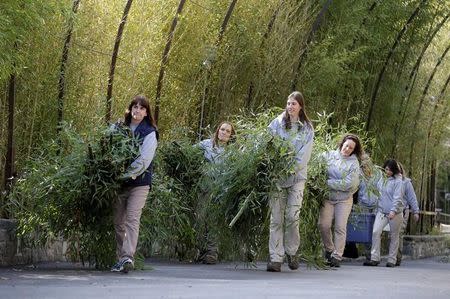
point(343, 180)
point(137, 182)
point(390, 208)
point(213, 148)
point(294, 126)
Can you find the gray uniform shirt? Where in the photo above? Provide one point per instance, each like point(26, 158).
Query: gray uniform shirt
point(410, 196)
point(301, 138)
point(343, 175)
point(391, 195)
point(211, 153)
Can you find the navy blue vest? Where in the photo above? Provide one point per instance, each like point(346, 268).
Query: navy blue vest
point(142, 130)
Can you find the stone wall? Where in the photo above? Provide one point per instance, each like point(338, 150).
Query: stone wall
point(425, 245)
point(14, 252)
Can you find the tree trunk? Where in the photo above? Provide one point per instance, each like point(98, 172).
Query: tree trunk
point(165, 59)
point(62, 71)
point(303, 54)
point(10, 151)
point(411, 81)
point(386, 62)
point(419, 108)
point(114, 60)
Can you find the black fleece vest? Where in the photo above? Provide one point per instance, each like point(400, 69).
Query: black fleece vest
point(142, 130)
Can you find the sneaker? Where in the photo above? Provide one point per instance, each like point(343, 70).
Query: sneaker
point(390, 265)
point(124, 265)
point(328, 255)
point(118, 267)
point(274, 267)
point(292, 262)
point(127, 265)
point(371, 263)
point(334, 262)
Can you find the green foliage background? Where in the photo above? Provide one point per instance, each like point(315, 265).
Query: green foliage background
point(249, 71)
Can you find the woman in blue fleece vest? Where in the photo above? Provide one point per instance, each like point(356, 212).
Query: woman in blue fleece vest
point(343, 180)
point(294, 126)
point(137, 182)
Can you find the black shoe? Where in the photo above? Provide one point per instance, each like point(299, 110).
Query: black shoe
point(398, 262)
point(274, 267)
point(334, 262)
point(328, 255)
point(371, 263)
point(390, 265)
point(292, 262)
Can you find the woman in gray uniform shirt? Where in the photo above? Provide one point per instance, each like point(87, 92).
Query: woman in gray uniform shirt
point(390, 210)
point(294, 126)
point(343, 180)
point(213, 149)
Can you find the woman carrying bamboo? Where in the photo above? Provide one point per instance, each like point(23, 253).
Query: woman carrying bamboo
point(343, 180)
point(213, 149)
point(293, 126)
point(137, 181)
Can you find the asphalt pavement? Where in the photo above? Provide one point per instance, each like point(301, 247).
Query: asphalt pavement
point(425, 278)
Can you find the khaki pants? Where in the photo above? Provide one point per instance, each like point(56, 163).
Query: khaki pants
point(284, 221)
point(381, 220)
point(127, 216)
point(338, 210)
point(402, 232)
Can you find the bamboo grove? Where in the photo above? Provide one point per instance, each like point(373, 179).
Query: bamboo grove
point(382, 63)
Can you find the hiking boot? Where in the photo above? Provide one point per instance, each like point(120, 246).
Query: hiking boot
point(371, 263)
point(210, 258)
point(334, 262)
point(390, 265)
point(274, 267)
point(292, 262)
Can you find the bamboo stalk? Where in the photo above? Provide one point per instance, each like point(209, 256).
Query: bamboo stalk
point(386, 62)
point(62, 70)
point(165, 59)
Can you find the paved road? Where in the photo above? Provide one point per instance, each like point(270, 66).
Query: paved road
point(426, 278)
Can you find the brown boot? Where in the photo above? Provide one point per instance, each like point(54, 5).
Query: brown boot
point(210, 258)
point(292, 262)
point(274, 267)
